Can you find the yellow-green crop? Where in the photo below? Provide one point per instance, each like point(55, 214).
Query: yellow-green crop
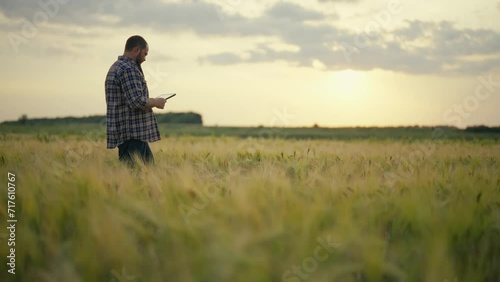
point(229, 209)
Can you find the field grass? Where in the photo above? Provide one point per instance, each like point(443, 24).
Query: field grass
point(233, 209)
point(347, 133)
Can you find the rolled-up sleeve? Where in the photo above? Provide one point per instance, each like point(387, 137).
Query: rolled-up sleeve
point(133, 89)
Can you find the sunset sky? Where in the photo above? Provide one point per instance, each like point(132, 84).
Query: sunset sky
point(272, 63)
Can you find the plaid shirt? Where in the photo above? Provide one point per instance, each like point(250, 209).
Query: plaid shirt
point(126, 95)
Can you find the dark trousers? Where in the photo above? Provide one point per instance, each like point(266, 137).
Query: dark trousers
point(130, 149)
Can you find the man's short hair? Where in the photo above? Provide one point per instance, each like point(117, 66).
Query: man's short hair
point(135, 41)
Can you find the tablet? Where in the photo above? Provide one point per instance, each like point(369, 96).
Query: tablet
point(166, 96)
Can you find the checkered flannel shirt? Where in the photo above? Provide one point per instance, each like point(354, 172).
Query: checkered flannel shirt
point(126, 96)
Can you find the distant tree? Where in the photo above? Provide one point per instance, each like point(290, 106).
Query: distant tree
point(176, 118)
point(180, 118)
point(482, 129)
point(23, 119)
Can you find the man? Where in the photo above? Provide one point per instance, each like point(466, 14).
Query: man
point(130, 121)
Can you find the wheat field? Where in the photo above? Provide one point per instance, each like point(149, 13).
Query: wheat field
point(231, 209)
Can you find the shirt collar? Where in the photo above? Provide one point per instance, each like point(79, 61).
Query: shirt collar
point(125, 58)
point(130, 61)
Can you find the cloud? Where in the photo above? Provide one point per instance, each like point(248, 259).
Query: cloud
point(293, 12)
point(416, 47)
point(337, 1)
point(225, 58)
point(446, 41)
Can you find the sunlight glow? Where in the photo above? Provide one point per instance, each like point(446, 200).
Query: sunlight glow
point(347, 84)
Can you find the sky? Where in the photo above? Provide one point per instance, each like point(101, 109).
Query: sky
point(333, 63)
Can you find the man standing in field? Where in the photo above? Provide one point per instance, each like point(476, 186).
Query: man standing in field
point(130, 121)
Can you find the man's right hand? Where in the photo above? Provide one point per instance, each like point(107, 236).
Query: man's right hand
point(155, 102)
point(160, 103)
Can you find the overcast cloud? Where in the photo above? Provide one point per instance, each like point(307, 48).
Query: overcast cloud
point(416, 47)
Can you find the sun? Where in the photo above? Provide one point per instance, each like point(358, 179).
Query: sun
point(346, 84)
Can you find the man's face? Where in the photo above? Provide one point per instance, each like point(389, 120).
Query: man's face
point(141, 55)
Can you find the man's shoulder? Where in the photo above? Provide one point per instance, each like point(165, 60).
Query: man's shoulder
point(120, 67)
point(122, 64)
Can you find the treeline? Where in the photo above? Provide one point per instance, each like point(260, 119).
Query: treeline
point(483, 129)
point(180, 118)
point(174, 118)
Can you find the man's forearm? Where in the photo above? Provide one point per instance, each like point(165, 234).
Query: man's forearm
point(150, 103)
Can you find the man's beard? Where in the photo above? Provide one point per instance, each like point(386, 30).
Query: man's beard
point(137, 58)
